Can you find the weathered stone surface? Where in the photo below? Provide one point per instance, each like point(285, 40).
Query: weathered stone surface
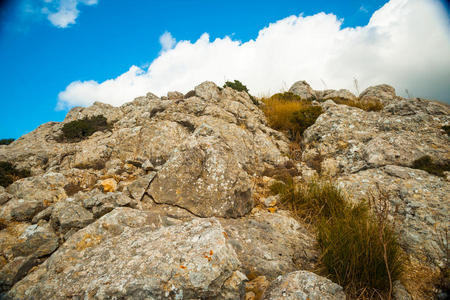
point(24, 210)
point(15, 270)
point(37, 241)
point(383, 93)
point(92, 264)
point(175, 95)
point(43, 215)
point(358, 140)
point(303, 285)
point(339, 94)
point(67, 215)
point(204, 177)
point(4, 197)
point(101, 204)
point(140, 185)
point(270, 244)
point(109, 185)
point(303, 89)
point(418, 201)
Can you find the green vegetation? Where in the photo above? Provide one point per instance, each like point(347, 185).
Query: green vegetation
point(81, 129)
point(6, 141)
point(360, 250)
point(288, 113)
point(446, 129)
point(236, 85)
point(427, 164)
point(9, 174)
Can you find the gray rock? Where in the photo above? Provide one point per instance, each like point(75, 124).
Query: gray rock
point(304, 90)
point(16, 270)
point(303, 285)
point(383, 93)
point(399, 292)
point(67, 215)
point(43, 215)
point(175, 95)
point(139, 186)
point(37, 241)
point(189, 260)
point(204, 177)
point(24, 210)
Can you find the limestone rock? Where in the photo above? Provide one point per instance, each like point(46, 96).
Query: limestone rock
point(303, 89)
point(303, 285)
point(383, 93)
point(270, 244)
point(109, 185)
point(175, 95)
point(204, 176)
point(67, 215)
point(37, 241)
point(15, 270)
point(24, 210)
point(339, 94)
point(189, 260)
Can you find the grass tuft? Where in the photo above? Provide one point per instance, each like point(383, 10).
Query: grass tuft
point(372, 105)
point(6, 141)
point(360, 250)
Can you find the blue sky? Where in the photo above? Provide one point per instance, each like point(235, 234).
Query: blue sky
point(44, 50)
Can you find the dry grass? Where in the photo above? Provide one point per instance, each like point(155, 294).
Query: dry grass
point(288, 113)
point(372, 105)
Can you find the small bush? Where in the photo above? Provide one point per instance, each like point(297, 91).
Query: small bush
point(81, 129)
point(236, 85)
point(446, 129)
point(9, 174)
point(288, 113)
point(426, 163)
point(6, 141)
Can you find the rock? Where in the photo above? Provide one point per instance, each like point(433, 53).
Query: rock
point(140, 185)
point(101, 204)
point(4, 197)
point(303, 285)
point(43, 215)
point(109, 185)
point(342, 94)
point(175, 95)
point(304, 90)
point(204, 177)
point(418, 202)
point(15, 270)
point(271, 200)
point(67, 215)
point(207, 90)
point(399, 291)
point(256, 287)
point(47, 188)
point(148, 166)
point(270, 244)
point(190, 260)
point(24, 210)
point(383, 93)
point(37, 241)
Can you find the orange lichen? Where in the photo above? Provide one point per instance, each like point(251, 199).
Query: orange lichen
point(272, 209)
point(183, 267)
point(225, 234)
point(88, 240)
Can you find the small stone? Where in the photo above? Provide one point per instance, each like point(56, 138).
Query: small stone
point(271, 200)
point(4, 197)
point(67, 215)
point(147, 165)
point(24, 210)
point(109, 185)
point(43, 215)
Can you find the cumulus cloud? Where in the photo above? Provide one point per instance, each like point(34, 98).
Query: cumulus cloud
point(61, 13)
point(167, 41)
point(406, 44)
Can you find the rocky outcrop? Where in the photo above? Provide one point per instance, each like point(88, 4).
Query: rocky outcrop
point(303, 285)
point(304, 90)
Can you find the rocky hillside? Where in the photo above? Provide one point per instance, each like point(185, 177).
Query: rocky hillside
point(171, 199)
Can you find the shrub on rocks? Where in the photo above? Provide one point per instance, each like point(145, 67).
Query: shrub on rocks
point(9, 173)
point(360, 250)
point(236, 85)
point(6, 141)
point(81, 129)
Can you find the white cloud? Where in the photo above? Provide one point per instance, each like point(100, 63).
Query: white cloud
point(63, 13)
point(406, 44)
point(167, 41)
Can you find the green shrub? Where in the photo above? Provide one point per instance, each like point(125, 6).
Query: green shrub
point(236, 85)
point(356, 244)
point(6, 141)
point(446, 129)
point(81, 129)
point(9, 174)
point(427, 164)
point(304, 117)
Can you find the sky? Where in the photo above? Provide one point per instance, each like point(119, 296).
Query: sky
point(56, 54)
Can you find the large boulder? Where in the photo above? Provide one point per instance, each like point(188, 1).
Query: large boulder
point(135, 255)
point(382, 93)
point(204, 177)
point(303, 89)
point(303, 285)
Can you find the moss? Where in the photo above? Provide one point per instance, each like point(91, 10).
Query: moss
point(427, 164)
point(6, 141)
point(9, 173)
point(81, 129)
